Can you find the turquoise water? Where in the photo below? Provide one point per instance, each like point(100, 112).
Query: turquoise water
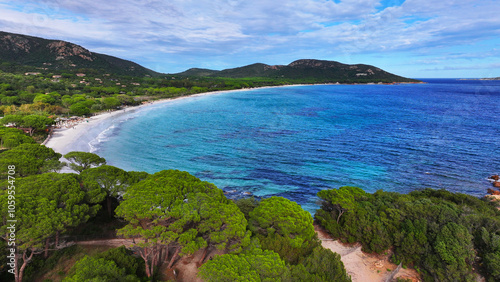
point(295, 141)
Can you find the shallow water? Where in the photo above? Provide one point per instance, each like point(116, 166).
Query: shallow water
point(295, 141)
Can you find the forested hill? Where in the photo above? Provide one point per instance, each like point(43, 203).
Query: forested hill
point(44, 54)
point(34, 54)
point(306, 69)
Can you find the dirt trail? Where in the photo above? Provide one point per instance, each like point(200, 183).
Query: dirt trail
point(108, 242)
point(360, 266)
point(185, 268)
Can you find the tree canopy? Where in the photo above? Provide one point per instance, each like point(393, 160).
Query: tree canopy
point(29, 159)
point(79, 161)
point(45, 206)
point(325, 264)
point(256, 266)
point(436, 231)
point(284, 227)
point(32, 122)
point(109, 179)
point(99, 269)
point(174, 208)
point(12, 137)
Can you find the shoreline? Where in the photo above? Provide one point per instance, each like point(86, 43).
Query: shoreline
point(65, 140)
point(78, 137)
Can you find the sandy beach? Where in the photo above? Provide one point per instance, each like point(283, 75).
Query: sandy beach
point(79, 137)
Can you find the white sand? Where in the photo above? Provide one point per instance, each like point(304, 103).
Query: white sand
point(64, 140)
point(77, 138)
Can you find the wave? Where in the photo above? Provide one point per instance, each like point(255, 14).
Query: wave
point(108, 132)
point(102, 137)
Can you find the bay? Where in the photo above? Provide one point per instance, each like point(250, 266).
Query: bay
point(295, 141)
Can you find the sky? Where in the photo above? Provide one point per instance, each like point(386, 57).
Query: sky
point(412, 38)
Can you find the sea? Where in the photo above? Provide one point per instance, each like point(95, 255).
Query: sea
point(294, 141)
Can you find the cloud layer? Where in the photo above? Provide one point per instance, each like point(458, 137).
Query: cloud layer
point(173, 35)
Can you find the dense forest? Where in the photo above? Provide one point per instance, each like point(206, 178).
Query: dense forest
point(86, 91)
point(27, 90)
point(445, 236)
point(169, 215)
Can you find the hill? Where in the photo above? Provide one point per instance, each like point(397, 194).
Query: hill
point(45, 54)
point(306, 69)
point(29, 53)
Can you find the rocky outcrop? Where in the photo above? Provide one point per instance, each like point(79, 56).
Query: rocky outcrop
point(493, 192)
point(495, 181)
point(275, 67)
point(17, 44)
point(46, 54)
point(66, 49)
point(318, 64)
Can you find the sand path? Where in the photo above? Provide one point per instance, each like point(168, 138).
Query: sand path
point(361, 266)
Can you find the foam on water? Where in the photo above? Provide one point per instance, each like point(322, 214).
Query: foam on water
point(296, 141)
point(102, 137)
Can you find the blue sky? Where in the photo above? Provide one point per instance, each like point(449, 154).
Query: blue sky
point(413, 38)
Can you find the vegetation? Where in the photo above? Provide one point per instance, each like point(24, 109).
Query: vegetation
point(47, 54)
point(284, 227)
point(436, 231)
point(98, 270)
point(325, 265)
point(80, 161)
point(12, 137)
point(173, 209)
point(113, 265)
point(23, 95)
point(306, 70)
point(256, 266)
point(31, 122)
point(81, 83)
point(112, 181)
point(172, 214)
point(46, 205)
point(29, 159)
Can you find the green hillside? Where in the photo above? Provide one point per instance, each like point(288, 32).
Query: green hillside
point(43, 54)
point(306, 70)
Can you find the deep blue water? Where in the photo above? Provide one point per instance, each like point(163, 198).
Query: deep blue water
point(295, 141)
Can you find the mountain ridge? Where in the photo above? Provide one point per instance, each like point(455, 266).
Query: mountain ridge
point(49, 54)
point(58, 55)
point(312, 69)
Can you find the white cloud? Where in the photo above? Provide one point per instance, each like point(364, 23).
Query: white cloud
point(210, 29)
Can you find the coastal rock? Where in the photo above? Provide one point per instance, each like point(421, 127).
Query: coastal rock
point(494, 177)
point(496, 184)
point(493, 192)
